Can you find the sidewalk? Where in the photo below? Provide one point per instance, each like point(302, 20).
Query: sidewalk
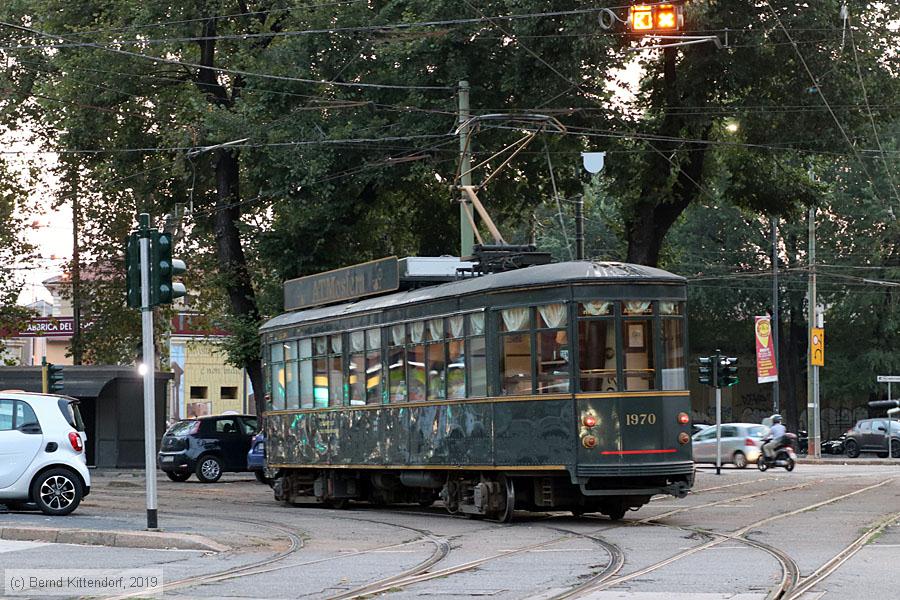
point(840, 459)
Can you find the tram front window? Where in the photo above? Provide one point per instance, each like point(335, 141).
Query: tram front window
point(640, 364)
point(515, 351)
point(597, 347)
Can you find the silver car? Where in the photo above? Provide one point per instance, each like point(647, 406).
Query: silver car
point(741, 443)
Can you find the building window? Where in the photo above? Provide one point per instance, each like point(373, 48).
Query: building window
point(199, 392)
point(228, 392)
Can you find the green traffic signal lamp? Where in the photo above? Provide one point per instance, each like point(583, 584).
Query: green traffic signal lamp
point(133, 270)
point(727, 368)
point(54, 378)
point(163, 268)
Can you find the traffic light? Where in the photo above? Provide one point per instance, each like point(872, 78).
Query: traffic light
point(727, 372)
point(133, 270)
point(884, 404)
point(51, 377)
point(162, 268)
point(656, 18)
point(707, 372)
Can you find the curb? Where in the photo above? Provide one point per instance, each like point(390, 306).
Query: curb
point(118, 539)
point(844, 461)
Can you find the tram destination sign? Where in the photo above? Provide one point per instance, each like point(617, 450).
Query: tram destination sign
point(349, 283)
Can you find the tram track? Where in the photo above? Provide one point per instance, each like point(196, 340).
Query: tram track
point(789, 580)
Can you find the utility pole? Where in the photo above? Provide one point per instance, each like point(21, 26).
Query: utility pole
point(776, 400)
point(812, 372)
point(466, 232)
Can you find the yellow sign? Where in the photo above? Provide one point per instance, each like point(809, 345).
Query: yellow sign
point(817, 347)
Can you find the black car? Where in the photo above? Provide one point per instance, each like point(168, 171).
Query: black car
point(870, 435)
point(207, 447)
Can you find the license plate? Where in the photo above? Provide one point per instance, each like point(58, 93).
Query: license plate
point(168, 459)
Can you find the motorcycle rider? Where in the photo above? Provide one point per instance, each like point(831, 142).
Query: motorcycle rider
point(776, 432)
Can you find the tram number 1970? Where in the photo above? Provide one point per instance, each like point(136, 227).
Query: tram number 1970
point(640, 418)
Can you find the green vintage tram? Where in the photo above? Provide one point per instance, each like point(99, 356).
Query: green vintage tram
point(557, 386)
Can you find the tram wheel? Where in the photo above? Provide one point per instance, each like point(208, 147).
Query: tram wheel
point(506, 484)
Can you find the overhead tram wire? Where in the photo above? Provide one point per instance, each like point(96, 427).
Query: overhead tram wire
point(159, 59)
point(862, 85)
point(818, 87)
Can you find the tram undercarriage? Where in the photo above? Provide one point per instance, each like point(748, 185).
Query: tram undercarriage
point(491, 495)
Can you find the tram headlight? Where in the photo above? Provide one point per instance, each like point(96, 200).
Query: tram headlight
point(589, 421)
point(589, 441)
point(683, 438)
point(683, 418)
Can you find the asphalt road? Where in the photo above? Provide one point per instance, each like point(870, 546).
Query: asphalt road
point(822, 531)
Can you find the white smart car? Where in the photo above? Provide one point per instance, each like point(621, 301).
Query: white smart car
point(42, 452)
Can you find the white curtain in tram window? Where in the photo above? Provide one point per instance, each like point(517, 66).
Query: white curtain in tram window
point(373, 339)
point(417, 331)
point(667, 308)
point(398, 334)
point(436, 329)
point(336, 343)
point(305, 348)
point(456, 325)
point(476, 323)
point(554, 315)
point(595, 308)
point(515, 319)
point(637, 307)
point(357, 341)
point(321, 345)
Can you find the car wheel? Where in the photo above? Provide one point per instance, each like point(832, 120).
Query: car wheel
point(261, 477)
point(740, 461)
point(57, 492)
point(895, 448)
point(851, 448)
point(209, 469)
point(177, 476)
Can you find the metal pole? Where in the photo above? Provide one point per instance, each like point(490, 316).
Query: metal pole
point(811, 372)
point(579, 228)
point(149, 374)
point(76, 267)
point(466, 230)
point(887, 434)
point(718, 430)
point(776, 400)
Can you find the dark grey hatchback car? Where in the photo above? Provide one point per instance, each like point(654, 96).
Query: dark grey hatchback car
point(870, 435)
point(207, 447)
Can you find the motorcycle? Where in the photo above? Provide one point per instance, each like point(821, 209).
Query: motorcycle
point(802, 447)
point(784, 455)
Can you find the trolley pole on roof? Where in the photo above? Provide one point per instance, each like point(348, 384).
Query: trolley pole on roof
point(466, 231)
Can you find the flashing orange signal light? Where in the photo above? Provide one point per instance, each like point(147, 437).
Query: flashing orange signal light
point(647, 18)
point(641, 17)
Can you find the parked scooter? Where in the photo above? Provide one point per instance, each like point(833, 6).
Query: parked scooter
point(802, 447)
point(784, 455)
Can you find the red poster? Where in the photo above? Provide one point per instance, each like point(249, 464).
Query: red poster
point(766, 369)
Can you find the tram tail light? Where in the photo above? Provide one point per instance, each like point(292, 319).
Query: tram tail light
point(683, 419)
point(683, 438)
point(589, 421)
point(589, 441)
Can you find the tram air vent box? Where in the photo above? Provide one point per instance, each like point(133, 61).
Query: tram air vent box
point(431, 269)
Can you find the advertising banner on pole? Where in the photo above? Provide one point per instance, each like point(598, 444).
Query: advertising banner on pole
point(766, 369)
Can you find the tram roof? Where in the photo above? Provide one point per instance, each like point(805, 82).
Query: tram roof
point(536, 276)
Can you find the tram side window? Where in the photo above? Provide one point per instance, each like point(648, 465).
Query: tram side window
point(397, 363)
point(356, 376)
point(416, 356)
point(672, 360)
point(277, 372)
point(515, 351)
point(476, 365)
point(320, 372)
point(456, 358)
point(552, 344)
point(436, 355)
point(291, 376)
point(307, 379)
point(597, 347)
point(374, 366)
point(639, 366)
point(335, 371)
